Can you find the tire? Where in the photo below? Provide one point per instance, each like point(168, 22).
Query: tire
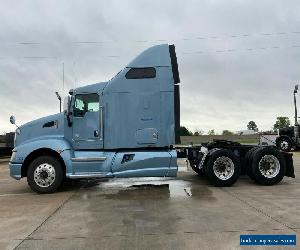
point(248, 161)
point(268, 166)
point(45, 175)
point(215, 171)
point(284, 144)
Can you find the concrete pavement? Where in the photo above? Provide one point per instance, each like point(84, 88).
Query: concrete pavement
point(148, 213)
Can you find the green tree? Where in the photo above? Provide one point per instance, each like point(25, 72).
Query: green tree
point(183, 131)
point(211, 132)
point(227, 132)
point(252, 126)
point(281, 122)
point(198, 132)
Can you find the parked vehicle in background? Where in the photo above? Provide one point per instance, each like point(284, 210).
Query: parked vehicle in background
point(128, 127)
point(9, 140)
point(289, 137)
point(7, 144)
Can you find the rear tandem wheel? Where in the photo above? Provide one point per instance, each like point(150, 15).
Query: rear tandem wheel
point(222, 168)
point(248, 161)
point(267, 166)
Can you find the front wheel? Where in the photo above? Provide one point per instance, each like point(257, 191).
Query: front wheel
point(222, 168)
point(284, 144)
point(45, 175)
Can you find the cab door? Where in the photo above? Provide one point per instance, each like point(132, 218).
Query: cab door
point(87, 122)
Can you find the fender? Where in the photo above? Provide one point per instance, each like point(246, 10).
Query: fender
point(57, 144)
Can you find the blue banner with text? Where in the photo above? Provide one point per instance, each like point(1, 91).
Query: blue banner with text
point(268, 240)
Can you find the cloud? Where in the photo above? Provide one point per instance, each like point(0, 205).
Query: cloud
point(236, 58)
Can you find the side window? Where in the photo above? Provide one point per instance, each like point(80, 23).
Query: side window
point(141, 73)
point(85, 103)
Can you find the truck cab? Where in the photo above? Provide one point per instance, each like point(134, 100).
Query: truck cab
point(125, 127)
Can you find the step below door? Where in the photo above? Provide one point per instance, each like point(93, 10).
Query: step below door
point(87, 164)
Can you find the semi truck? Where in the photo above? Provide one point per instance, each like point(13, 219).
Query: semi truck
point(128, 127)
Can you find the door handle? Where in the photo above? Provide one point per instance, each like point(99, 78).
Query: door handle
point(101, 123)
point(96, 133)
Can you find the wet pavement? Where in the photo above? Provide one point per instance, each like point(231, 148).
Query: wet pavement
point(146, 213)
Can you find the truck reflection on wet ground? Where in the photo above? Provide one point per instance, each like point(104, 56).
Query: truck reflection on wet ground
point(148, 189)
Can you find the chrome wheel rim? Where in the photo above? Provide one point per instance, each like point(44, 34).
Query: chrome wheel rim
point(284, 145)
point(223, 168)
point(269, 166)
point(44, 175)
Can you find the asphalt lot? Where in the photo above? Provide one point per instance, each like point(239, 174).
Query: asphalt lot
point(148, 213)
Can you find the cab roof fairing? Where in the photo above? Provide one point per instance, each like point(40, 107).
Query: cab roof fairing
point(91, 88)
point(155, 56)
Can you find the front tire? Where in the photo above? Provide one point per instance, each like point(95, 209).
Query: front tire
point(222, 168)
point(45, 174)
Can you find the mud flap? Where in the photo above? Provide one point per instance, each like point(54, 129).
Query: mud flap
point(289, 164)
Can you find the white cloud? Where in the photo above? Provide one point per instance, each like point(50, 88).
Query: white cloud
point(220, 90)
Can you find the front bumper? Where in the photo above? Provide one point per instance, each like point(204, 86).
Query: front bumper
point(15, 170)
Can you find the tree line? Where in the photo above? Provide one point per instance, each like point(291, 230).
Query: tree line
point(281, 122)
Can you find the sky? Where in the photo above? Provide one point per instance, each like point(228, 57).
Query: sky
point(238, 59)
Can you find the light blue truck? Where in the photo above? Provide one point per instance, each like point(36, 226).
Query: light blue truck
point(127, 127)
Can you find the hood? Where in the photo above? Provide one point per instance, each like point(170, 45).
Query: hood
point(52, 125)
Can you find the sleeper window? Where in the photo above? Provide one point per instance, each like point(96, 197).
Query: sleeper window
point(141, 73)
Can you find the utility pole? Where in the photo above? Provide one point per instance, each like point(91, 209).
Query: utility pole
point(295, 104)
point(63, 75)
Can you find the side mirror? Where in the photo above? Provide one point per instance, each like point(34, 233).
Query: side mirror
point(296, 88)
point(12, 120)
point(67, 102)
